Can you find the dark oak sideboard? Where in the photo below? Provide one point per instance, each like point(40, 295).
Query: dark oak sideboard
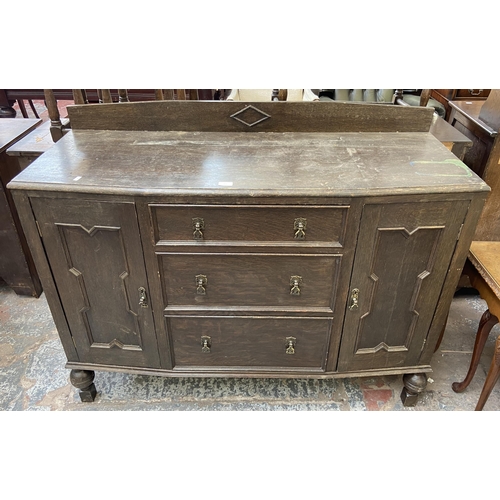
point(249, 250)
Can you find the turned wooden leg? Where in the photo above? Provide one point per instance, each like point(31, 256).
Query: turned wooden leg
point(491, 378)
point(414, 384)
point(84, 380)
point(488, 321)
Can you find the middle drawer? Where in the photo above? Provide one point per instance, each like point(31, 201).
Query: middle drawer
point(250, 280)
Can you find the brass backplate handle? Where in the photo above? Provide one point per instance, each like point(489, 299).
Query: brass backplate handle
point(354, 299)
point(143, 299)
point(295, 282)
point(299, 226)
point(198, 227)
point(290, 345)
point(206, 343)
point(201, 283)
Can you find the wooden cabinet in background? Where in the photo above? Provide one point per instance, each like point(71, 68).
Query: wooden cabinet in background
point(480, 121)
point(16, 263)
point(444, 96)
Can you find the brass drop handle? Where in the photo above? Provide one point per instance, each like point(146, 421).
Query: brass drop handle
point(143, 299)
point(299, 226)
point(201, 283)
point(354, 299)
point(295, 282)
point(198, 227)
point(206, 343)
point(290, 345)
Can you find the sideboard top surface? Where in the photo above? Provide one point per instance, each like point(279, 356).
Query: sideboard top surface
point(257, 164)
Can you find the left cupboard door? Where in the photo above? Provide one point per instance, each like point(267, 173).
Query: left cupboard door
point(95, 253)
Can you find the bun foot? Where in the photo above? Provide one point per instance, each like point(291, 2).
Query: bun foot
point(414, 384)
point(84, 381)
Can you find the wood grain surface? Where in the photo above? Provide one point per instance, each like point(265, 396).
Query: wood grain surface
point(277, 164)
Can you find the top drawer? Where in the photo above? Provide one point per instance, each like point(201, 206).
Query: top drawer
point(284, 224)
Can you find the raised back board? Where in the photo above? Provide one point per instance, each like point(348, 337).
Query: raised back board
point(225, 116)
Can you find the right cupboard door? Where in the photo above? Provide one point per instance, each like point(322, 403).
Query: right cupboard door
point(402, 258)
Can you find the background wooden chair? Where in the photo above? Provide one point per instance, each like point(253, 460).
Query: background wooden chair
point(480, 121)
point(9, 97)
point(7, 101)
point(22, 107)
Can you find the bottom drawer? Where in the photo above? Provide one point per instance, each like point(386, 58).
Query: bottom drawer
point(258, 342)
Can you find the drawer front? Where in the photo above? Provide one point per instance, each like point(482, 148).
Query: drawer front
point(472, 93)
point(259, 342)
point(249, 279)
point(283, 224)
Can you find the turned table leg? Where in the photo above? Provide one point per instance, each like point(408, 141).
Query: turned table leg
point(414, 384)
point(491, 378)
point(488, 321)
point(84, 380)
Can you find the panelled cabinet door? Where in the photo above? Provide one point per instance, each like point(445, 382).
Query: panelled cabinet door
point(401, 261)
point(94, 250)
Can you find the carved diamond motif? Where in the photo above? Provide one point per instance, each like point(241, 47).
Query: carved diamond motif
point(250, 116)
